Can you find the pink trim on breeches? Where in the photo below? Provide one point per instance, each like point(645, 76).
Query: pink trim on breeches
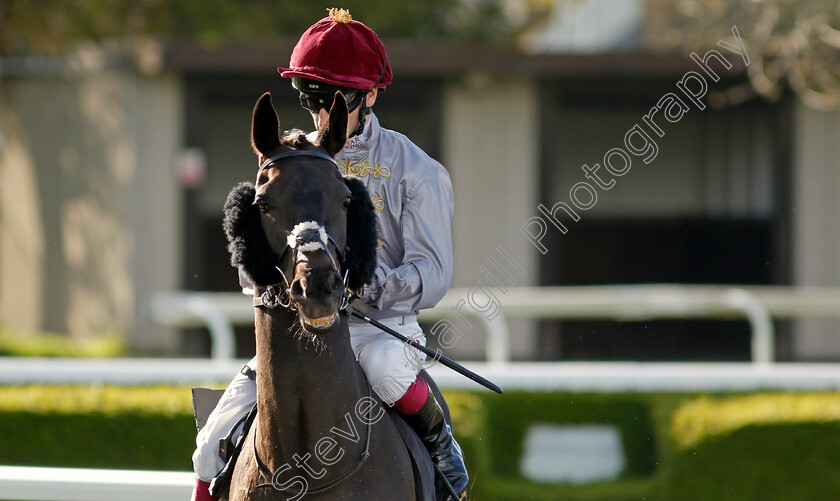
point(414, 398)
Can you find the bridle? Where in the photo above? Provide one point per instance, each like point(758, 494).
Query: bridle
point(280, 294)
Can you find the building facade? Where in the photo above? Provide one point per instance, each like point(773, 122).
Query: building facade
point(113, 177)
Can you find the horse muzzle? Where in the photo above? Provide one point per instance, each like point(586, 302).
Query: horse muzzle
point(318, 296)
point(321, 325)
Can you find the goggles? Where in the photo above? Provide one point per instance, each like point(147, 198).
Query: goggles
point(315, 95)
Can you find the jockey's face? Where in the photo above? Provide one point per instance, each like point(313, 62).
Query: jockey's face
point(320, 118)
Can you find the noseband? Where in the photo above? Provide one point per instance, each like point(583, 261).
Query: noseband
point(276, 295)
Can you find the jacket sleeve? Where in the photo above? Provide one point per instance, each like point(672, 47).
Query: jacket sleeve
point(426, 270)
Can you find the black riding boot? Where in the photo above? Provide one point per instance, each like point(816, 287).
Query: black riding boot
point(436, 435)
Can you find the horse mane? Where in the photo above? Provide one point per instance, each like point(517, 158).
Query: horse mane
point(296, 139)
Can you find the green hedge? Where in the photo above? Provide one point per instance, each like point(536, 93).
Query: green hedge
point(677, 447)
point(506, 420)
point(509, 417)
point(764, 447)
point(103, 427)
point(46, 344)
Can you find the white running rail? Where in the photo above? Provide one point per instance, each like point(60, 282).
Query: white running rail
point(78, 484)
point(758, 305)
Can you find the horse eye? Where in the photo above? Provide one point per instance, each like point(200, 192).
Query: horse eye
point(262, 205)
point(346, 202)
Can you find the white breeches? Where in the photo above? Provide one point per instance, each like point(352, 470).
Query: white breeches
point(390, 365)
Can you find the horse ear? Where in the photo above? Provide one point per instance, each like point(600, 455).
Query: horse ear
point(247, 244)
point(360, 258)
point(265, 137)
point(333, 136)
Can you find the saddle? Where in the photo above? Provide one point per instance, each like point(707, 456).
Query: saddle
point(205, 400)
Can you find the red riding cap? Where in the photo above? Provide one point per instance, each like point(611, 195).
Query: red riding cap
point(340, 51)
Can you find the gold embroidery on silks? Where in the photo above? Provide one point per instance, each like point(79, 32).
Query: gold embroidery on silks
point(378, 203)
point(364, 169)
point(379, 244)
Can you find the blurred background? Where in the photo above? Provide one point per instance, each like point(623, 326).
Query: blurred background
point(123, 125)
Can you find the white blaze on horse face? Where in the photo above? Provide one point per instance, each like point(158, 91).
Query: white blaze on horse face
point(308, 246)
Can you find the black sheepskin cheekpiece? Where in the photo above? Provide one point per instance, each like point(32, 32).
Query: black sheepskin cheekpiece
point(247, 244)
point(360, 258)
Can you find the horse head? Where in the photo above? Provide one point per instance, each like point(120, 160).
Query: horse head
point(302, 227)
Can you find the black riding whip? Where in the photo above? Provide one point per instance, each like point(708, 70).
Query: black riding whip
point(428, 351)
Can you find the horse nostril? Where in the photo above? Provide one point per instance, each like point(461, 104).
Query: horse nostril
point(298, 289)
point(335, 282)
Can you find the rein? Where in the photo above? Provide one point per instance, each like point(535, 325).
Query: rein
point(269, 476)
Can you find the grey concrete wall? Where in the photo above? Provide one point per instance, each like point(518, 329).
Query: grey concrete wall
point(490, 150)
point(88, 204)
point(816, 216)
point(158, 205)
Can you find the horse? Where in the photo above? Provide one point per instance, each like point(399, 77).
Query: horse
point(305, 236)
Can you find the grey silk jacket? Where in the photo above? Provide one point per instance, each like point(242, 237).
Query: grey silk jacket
point(412, 195)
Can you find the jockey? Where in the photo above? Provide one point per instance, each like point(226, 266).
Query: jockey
point(412, 195)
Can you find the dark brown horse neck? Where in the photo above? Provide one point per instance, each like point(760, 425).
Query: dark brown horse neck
point(304, 390)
